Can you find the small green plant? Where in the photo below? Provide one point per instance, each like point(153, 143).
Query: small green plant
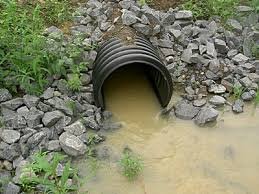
point(144, 2)
point(74, 82)
point(131, 165)
point(255, 51)
point(204, 9)
point(43, 172)
point(255, 4)
point(256, 100)
point(238, 91)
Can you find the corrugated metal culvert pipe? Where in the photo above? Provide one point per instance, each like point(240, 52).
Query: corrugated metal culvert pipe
point(114, 54)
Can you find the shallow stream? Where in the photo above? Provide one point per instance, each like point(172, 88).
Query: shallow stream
point(179, 157)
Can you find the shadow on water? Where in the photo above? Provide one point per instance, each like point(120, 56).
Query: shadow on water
point(179, 157)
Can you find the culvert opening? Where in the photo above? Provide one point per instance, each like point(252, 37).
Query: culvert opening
point(115, 56)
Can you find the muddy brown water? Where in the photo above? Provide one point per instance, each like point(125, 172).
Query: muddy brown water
point(179, 157)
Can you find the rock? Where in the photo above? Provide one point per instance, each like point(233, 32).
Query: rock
point(206, 115)
point(77, 128)
point(183, 15)
point(217, 89)
point(228, 85)
point(128, 17)
point(221, 46)
point(240, 58)
point(11, 188)
point(53, 32)
point(185, 110)
point(44, 107)
point(211, 51)
point(232, 53)
point(238, 106)
point(5, 95)
point(199, 102)
point(217, 100)
point(23, 111)
point(50, 118)
point(91, 123)
point(5, 177)
point(85, 79)
point(186, 55)
point(13, 104)
point(15, 121)
point(33, 117)
point(242, 8)
point(71, 144)
point(246, 82)
point(142, 28)
point(168, 19)
point(235, 25)
point(214, 65)
point(164, 43)
point(125, 4)
point(10, 136)
point(247, 96)
point(47, 94)
point(54, 145)
point(176, 33)
point(8, 165)
point(31, 101)
point(61, 105)
point(10, 152)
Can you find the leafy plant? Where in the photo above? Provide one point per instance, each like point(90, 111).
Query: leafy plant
point(255, 51)
point(74, 82)
point(204, 9)
point(44, 173)
point(144, 2)
point(238, 91)
point(255, 4)
point(131, 165)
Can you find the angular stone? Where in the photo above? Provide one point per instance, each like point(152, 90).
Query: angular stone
point(11, 188)
point(243, 8)
point(50, 118)
point(10, 136)
point(214, 65)
point(35, 139)
point(91, 123)
point(221, 46)
point(199, 102)
point(211, 51)
point(217, 100)
point(10, 152)
point(77, 128)
point(54, 145)
point(71, 144)
point(235, 25)
point(176, 33)
point(185, 110)
point(33, 117)
point(128, 17)
point(206, 115)
point(15, 121)
point(5, 95)
point(47, 94)
point(229, 86)
point(238, 106)
point(186, 55)
point(142, 28)
point(217, 89)
point(246, 82)
point(247, 96)
point(232, 53)
point(183, 15)
point(248, 67)
point(168, 19)
point(31, 101)
point(13, 104)
point(61, 105)
point(240, 58)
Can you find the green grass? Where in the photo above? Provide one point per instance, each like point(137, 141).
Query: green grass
point(131, 165)
point(255, 4)
point(204, 9)
point(255, 50)
point(256, 100)
point(238, 91)
point(43, 172)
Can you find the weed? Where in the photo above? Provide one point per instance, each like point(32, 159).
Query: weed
point(44, 173)
point(74, 82)
point(144, 2)
point(256, 100)
point(204, 9)
point(71, 105)
point(255, 50)
point(255, 4)
point(131, 165)
point(238, 91)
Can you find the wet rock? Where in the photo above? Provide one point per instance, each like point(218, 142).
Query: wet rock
point(238, 106)
point(240, 58)
point(50, 118)
point(183, 15)
point(13, 104)
point(128, 17)
point(10, 152)
point(11, 188)
point(5, 95)
point(31, 101)
point(77, 128)
point(206, 115)
point(105, 152)
point(235, 25)
point(185, 110)
point(10, 136)
point(199, 102)
point(217, 100)
point(71, 144)
point(143, 29)
point(217, 89)
point(54, 145)
point(47, 94)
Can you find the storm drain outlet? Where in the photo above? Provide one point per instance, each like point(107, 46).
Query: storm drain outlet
point(114, 54)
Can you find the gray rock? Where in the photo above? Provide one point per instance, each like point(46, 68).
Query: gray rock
point(211, 75)
point(105, 26)
point(54, 145)
point(10, 136)
point(211, 51)
point(8, 165)
point(217, 89)
point(185, 110)
point(206, 115)
point(221, 46)
point(176, 33)
point(186, 55)
point(248, 67)
point(47, 94)
point(199, 102)
point(35, 139)
point(23, 111)
point(91, 123)
point(5, 177)
point(217, 100)
point(144, 19)
point(53, 32)
point(44, 107)
point(10, 152)
point(33, 117)
point(128, 17)
point(240, 58)
point(232, 53)
point(31, 101)
point(71, 144)
point(168, 19)
point(246, 82)
point(5, 95)
point(15, 121)
point(51, 118)
point(11, 188)
point(214, 65)
point(243, 8)
point(238, 106)
point(125, 4)
point(61, 105)
point(13, 104)
point(235, 25)
point(164, 43)
point(247, 96)
point(142, 28)
point(77, 128)
point(183, 15)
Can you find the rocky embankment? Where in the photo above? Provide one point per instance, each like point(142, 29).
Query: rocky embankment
point(206, 59)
